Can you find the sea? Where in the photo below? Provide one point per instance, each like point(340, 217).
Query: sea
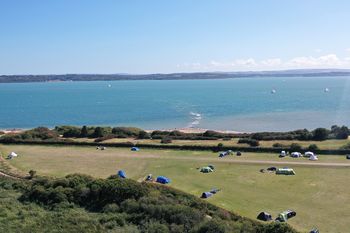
point(239, 104)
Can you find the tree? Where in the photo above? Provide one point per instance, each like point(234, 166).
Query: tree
point(320, 134)
point(98, 133)
point(342, 133)
point(84, 132)
point(143, 135)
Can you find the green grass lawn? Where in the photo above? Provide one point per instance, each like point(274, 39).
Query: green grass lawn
point(319, 195)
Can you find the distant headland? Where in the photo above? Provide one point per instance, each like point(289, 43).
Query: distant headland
point(172, 76)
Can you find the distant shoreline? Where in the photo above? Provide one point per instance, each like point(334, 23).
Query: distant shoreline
point(173, 76)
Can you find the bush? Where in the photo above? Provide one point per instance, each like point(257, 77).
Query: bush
point(250, 141)
point(125, 132)
point(295, 147)
point(313, 147)
point(254, 143)
point(278, 145)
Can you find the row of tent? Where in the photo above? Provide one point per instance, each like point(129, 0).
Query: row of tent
point(296, 154)
point(160, 179)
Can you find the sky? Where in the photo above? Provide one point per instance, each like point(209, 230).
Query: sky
point(163, 36)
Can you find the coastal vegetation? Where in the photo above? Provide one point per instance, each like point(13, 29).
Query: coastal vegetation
point(77, 203)
point(319, 140)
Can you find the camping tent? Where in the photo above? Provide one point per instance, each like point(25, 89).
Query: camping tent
point(348, 157)
point(285, 215)
point(163, 180)
point(135, 148)
point(283, 153)
point(206, 169)
point(206, 194)
point(263, 216)
point(214, 190)
point(211, 166)
point(309, 154)
point(313, 157)
point(285, 171)
point(121, 174)
point(271, 169)
point(238, 153)
point(12, 155)
point(296, 155)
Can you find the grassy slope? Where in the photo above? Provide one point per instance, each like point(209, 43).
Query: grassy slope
point(319, 195)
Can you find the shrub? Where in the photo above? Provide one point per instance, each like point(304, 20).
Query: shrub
point(32, 173)
point(125, 132)
point(254, 143)
point(313, 147)
point(278, 145)
point(250, 141)
point(295, 147)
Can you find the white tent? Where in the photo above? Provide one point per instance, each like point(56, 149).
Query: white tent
point(309, 154)
point(296, 155)
point(12, 154)
point(313, 157)
point(283, 153)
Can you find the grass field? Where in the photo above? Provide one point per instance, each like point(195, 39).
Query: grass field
point(319, 194)
point(327, 144)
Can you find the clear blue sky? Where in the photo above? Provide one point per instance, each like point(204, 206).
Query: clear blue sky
point(82, 36)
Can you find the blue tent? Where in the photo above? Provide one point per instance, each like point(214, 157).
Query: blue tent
point(163, 180)
point(135, 148)
point(121, 174)
point(206, 194)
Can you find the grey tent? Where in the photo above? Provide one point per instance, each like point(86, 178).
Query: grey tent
point(263, 216)
point(348, 157)
point(206, 194)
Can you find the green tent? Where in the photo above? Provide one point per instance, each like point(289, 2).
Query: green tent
point(206, 169)
point(285, 215)
point(285, 171)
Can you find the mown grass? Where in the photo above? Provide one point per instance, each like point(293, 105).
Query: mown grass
point(319, 195)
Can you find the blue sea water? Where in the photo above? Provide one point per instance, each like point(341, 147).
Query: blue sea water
point(241, 104)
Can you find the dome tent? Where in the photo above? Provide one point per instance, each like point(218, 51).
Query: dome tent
point(12, 155)
point(206, 169)
point(264, 216)
point(163, 180)
point(121, 174)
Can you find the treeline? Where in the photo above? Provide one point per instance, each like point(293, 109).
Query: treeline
point(123, 205)
point(104, 133)
point(101, 134)
point(319, 134)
